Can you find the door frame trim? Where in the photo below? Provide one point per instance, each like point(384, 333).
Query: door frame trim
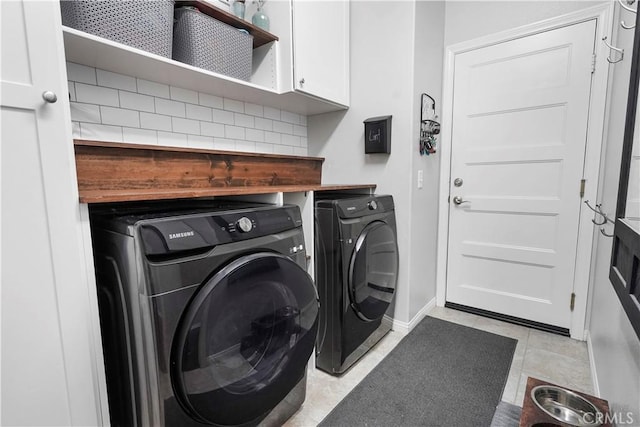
point(603, 14)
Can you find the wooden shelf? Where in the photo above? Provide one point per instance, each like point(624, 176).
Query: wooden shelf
point(260, 36)
point(117, 172)
point(93, 51)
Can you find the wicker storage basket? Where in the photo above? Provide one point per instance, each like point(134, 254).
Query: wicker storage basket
point(143, 24)
point(205, 42)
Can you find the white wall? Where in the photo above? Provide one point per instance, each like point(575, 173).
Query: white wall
point(428, 51)
point(616, 348)
point(391, 63)
point(466, 20)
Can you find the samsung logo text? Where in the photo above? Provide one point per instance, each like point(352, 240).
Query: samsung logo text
point(181, 235)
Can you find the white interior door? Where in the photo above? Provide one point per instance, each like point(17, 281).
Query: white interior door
point(520, 112)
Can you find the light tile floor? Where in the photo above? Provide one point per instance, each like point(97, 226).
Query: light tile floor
point(550, 357)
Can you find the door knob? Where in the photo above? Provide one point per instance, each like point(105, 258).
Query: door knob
point(49, 96)
point(458, 182)
point(458, 200)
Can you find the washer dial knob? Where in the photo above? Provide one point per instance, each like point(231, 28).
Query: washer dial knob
point(373, 205)
point(244, 224)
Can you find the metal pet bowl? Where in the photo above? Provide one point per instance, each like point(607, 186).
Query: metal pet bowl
point(566, 406)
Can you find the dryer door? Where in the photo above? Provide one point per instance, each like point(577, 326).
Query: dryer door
point(244, 340)
point(373, 271)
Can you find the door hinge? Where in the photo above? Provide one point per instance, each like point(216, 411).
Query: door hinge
point(449, 199)
point(582, 184)
point(593, 63)
point(572, 304)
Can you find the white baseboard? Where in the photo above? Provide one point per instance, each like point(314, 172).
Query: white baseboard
point(592, 365)
point(406, 327)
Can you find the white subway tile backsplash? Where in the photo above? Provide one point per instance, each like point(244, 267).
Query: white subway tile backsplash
point(282, 149)
point(233, 132)
point(254, 135)
point(120, 117)
point(87, 113)
point(75, 130)
point(152, 88)
point(197, 112)
point(115, 107)
point(244, 120)
point(140, 136)
point(155, 121)
point(197, 141)
point(288, 117)
point(271, 113)
point(184, 95)
point(299, 130)
point(134, 101)
point(272, 137)
point(224, 144)
point(81, 73)
point(233, 105)
point(185, 126)
point(210, 100)
point(290, 140)
point(116, 81)
point(101, 132)
point(221, 116)
point(72, 91)
point(264, 124)
point(282, 127)
point(246, 146)
point(262, 147)
point(170, 108)
point(171, 139)
point(212, 129)
point(253, 109)
point(96, 95)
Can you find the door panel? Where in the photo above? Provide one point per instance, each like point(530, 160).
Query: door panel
point(520, 114)
point(245, 339)
point(373, 271)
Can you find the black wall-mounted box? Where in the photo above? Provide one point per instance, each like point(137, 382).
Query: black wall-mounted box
point(377, 135)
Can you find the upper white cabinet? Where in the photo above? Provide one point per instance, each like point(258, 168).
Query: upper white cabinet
point(321, 49)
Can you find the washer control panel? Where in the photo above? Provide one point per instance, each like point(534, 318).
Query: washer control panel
point(244, 225)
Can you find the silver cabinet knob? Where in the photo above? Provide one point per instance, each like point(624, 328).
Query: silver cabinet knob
point(49, 96)
point(458, 200)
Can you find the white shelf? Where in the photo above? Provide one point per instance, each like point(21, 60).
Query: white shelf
point(90, 50)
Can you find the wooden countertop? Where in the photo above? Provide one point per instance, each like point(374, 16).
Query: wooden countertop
point(116, 172)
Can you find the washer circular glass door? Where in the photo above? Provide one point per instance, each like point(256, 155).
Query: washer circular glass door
point(244, 340)
point(373, 271)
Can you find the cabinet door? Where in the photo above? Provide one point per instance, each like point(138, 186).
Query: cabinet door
point(47, 359)
point(321, 48)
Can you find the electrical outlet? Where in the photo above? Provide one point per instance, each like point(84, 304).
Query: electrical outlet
point(420, 178)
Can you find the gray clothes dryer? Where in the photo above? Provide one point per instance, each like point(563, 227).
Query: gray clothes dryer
point(208, 316)
point(356, 270)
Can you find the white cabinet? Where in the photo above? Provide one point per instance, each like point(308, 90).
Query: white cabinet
point(320, 37)
point(49, 365)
